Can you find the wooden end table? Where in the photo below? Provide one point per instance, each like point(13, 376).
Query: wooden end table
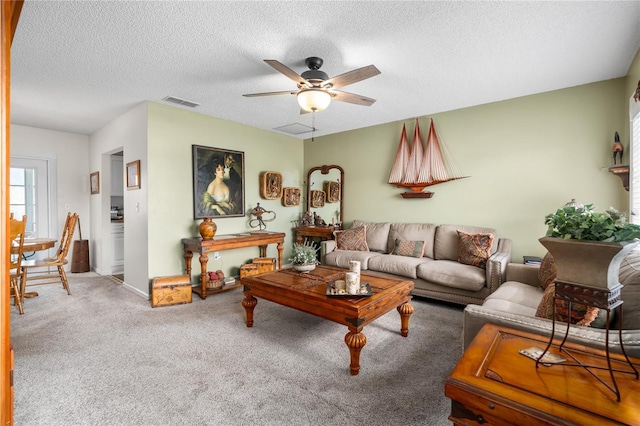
point(494, 384)
point(307, 293)
point(323, 232)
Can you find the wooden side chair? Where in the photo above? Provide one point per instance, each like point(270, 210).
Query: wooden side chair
point(16, 271)
point(33, 269)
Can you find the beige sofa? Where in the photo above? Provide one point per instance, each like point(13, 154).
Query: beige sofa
point(437, 274)
point(514, 305)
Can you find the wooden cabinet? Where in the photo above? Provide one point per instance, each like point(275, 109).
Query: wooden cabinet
point(494, 384)
point(117, 248)
point(117, 176)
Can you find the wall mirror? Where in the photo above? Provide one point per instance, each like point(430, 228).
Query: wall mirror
point(325, 189)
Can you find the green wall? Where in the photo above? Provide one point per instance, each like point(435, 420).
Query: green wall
point(525, 158)
point(172, 132)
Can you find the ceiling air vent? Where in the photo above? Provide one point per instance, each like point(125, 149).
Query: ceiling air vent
point(294, 129)
point(180, 101)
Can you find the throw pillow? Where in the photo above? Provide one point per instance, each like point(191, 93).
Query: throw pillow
point(547, 273)
point(580, 314)
point(352, 239)
point(408, 248)
point(474, 249)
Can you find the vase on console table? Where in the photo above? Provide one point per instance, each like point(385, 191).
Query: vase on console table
point(208, 228)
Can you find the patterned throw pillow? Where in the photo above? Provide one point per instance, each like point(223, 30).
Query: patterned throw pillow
point(474, 249)
point(408, 248)
point(352, 239)
point(547, 273)
point(580, 314)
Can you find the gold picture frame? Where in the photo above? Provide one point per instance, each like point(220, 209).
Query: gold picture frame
point(271, 185)
point(133, 175)
point(94, 182)
point(291, 196)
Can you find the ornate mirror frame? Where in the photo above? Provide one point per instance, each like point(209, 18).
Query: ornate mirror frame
point(320, 185)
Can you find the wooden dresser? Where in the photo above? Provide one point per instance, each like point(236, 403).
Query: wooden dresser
point(494, 384)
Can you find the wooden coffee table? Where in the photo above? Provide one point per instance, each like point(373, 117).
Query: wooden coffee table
point(494, 384)
point(307, 293)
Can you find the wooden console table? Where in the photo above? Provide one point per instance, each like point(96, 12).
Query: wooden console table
point(494, 384)
point(227, 242)
point(325, 232)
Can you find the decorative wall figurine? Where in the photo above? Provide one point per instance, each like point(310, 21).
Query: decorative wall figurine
point(291, 197)
point(332, 188)
point(318, 198)
point(617, 148)
point(271, 185)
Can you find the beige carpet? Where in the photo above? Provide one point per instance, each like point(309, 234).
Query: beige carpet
point(103, 356)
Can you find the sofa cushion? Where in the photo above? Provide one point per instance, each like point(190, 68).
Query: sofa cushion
point(377, 234)
point(474, 249)
point(341, 258)
point(547, 273)
point(352, 239)
point(397, 265)
point(413, 232)
point(580, 314)
point(518, 293)
point(450, 273)
point(446, 240)
point(629, 276)
point(408, 248)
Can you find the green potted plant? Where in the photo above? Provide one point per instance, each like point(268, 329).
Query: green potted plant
point(304, 257)
point(588, 246)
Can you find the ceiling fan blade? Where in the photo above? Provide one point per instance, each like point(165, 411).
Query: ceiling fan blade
point(351, 77)
point(352, 98)
point(301, 81)
point(284, 92)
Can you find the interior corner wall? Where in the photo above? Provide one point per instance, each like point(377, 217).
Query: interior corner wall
point(172, 133)
point(127, 133)
point(525, 158)
point(71, 152)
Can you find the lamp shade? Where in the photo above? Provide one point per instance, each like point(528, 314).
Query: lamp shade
point(313, 99)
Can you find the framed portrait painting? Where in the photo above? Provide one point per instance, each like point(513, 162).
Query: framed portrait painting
point(94, 182)
point(218, 182)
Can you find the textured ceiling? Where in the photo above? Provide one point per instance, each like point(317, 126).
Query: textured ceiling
point(76, 65)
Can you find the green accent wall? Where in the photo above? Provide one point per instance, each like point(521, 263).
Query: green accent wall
point(525, 157)
point(172, 132)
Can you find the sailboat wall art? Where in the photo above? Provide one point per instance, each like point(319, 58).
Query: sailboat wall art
point(418, 166)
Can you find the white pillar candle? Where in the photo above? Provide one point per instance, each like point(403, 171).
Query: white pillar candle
point(352, 283)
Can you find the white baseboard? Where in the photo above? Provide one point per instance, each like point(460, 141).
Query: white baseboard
point(136, 291)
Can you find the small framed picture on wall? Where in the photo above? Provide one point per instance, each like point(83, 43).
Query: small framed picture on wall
point(94, 182)
point(133, 175)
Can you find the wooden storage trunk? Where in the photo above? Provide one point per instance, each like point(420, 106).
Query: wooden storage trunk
point(174, 290)
point(258, 266)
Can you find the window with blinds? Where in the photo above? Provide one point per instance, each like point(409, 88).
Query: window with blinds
point(634, 184)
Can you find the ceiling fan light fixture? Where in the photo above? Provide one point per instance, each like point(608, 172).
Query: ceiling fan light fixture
point(313, 100)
